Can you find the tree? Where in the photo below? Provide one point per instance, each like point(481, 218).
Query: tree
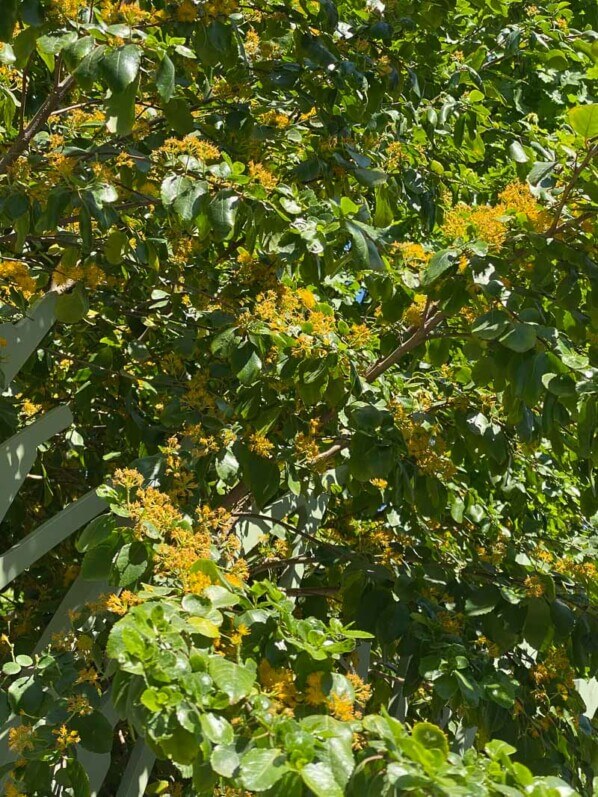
point(325, 297)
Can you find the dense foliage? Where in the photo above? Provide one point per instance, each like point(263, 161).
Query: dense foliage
point(327, 320)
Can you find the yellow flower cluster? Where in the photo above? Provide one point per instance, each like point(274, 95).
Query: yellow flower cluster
point(413, 254)
point(493, 556)
point(478, 221)
point(394, 155)
point(414, 314)
point(578, 571)
point(21, 738)
point(193, 146)
point(254, 271)
point(220, 8)
point(15, 274)
point(489, 223)
point(196, 583)
point(262, 175)
point(155, 508)
point(517, 198)
point(279, 682)
point(184, 250)
point(252, 43)
point(131, 12)
point(554, 667)
point(534, 586)
point(379, 484)
point(88, 675)
point(306, 446)
point(239, 634)
point(66, 9)
point(8, 75)
point(340, 706)
point(29, 409)
point(284, 310)
point(492, 648)
point(425, 446)
point(68, 273)
point(199, 396)
point(177, 558)
point(203, 444)
point(274, 118)
point(65, 738)
point(363, 691)
point(79, 118)
point(260, 445)
point(120, 604)
point(127, 477)
point(360, 336)
point(80, 705)
point(186, 11)
point(451, 623)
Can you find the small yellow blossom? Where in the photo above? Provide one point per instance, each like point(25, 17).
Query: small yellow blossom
point(186, 12)
point(341, 707)
point(260, 445)
point(65, 738)
point(21, 738)
point(314, 694)
point(262, 175)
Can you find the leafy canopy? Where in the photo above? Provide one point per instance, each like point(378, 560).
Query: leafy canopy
point(327, 306)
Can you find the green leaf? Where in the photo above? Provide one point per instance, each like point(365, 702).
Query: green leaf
point(431, 737)
point(482, 601)
point(217, 729)
point(120, 67)
point(73, 306)
point(439, 264)
point(222, 211)
point(320, 779)
point(517, 153)
point(538, 625)
point(233, 679)
point(96, 532)
point(246, 364)
point(130, 564)
point(120, 110)
point(584, 120)
point(370, 177)
point(95, 732)
point(97, 562)
point(205, 627)
point(260, 474)
point(78, 779)
point(491, 325)
point(8, 20)
point(165, 79)
point(225, 761)
point(520, 338)
point(261, 769)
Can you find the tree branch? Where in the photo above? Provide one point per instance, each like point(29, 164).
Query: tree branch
point(593, 150)
point(35, 125)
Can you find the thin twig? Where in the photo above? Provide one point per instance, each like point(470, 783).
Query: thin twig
point(592, 151)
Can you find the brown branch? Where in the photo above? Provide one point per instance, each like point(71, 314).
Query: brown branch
point(592, 151)
point(419, 336)
point(35, 125)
